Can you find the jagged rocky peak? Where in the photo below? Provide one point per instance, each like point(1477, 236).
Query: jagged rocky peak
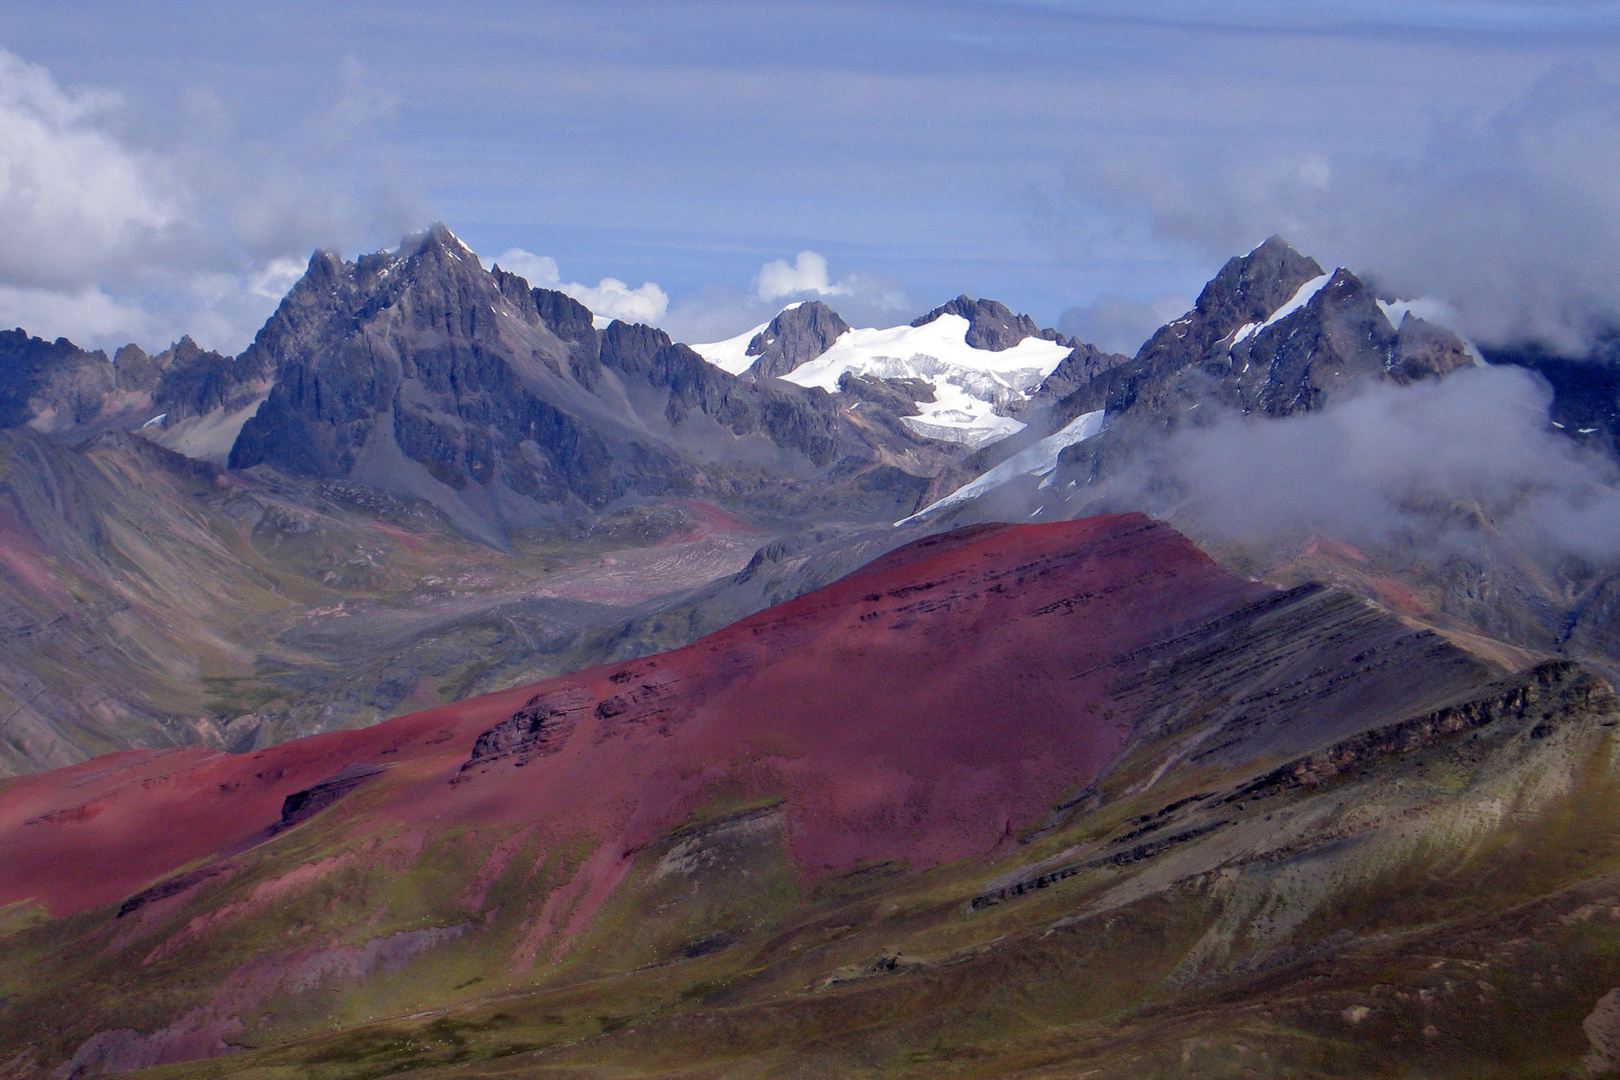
point(1271, 333)
point(1248, 289)
point(420, 373)
point(1084, 363)
point(799, 334)
point(135, 370)
point(50, 385)
point(70, 394)
point(1254, 286)
point(991, 324)
point(436, 247)
point(1338, 334)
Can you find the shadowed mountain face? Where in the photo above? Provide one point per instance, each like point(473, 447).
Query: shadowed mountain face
point(184, 398)
point(870, 797)
point(149, 600)
point(50, 379)
point(1586, 388)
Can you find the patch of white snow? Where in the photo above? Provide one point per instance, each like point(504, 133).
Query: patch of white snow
point(969, 384)
point(1039, 459)
point(1307, 292)
point(1243, 332)
point(731, 354)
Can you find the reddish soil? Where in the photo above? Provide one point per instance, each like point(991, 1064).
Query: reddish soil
point(922, 709)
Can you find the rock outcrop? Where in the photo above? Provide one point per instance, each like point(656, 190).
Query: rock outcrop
point(51, 385)
point(991, 324)
point(1272, 334)
point(796, 336)
point(422, 374)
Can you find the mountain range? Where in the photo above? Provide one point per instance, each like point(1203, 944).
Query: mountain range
point(411, 401)
point(453, 681)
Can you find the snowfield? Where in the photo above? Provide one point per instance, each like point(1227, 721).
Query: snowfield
point(732, 354)
point(970, 385)
point(1300, 298)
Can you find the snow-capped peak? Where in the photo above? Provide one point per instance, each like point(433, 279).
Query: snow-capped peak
point(970, 385)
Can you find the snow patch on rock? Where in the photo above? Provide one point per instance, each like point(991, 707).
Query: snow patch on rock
point(1040, 459)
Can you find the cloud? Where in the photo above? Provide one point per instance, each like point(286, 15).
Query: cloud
point(76, 203)
point(538, 270)
point(610, 298)
point(109, 240)
point(717, 312)
point(274, 280)
point(613, 299)
point(806, 274)
point(1513, 217)
point(1415, 468)
point(1120, 324)
point(722, 311)
point(85, 316)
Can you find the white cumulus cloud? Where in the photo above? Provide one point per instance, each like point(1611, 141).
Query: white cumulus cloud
point(540, 270)
point(613, 299)
point(85, 315)
point(75, 201)
point(608, 299)
point(106, 240)
point(806, 274)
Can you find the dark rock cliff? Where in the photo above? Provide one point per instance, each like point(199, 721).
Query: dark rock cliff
point(796, 336)
point(1232, 348)
point(55, 377)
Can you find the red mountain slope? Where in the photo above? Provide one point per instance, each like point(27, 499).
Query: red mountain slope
point(921, 709)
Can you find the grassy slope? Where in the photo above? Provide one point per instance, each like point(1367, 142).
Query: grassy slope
point(1449, 910)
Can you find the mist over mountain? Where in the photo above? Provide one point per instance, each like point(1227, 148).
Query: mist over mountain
point(503, 409)
point(1507, 214)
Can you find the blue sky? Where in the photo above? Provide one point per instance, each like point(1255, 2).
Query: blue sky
point(168, 166)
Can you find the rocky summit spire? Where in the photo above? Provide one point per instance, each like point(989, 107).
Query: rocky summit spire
point(795, 337)
point(991, 324)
